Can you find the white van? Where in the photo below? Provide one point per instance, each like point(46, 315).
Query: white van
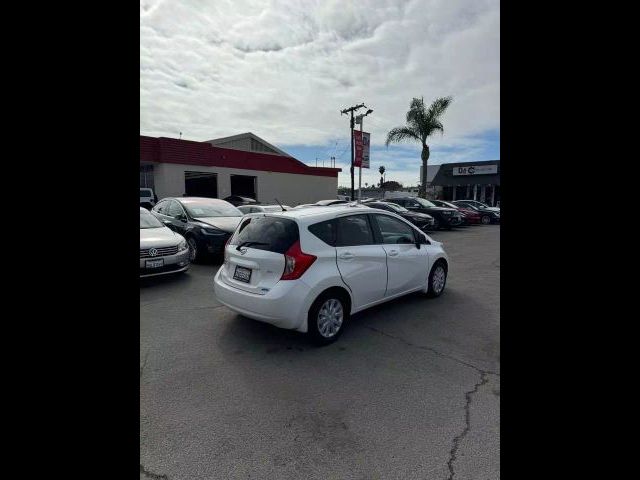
point(147, 198)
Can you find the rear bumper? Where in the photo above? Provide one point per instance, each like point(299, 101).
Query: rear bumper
point(284, 306)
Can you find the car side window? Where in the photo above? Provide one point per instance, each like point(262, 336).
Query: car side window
point(175, 210)
point(161, 207)
point(394, 231)
point(353, 230)
point(412, 203)
point(325, 231)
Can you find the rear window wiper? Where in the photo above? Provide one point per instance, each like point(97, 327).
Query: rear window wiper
point(249, 244)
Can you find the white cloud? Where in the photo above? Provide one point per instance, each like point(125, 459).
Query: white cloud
point(283, 69)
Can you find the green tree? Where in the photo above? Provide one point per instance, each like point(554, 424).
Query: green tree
point(381, 170)
point(422, 122)
point(391, 185)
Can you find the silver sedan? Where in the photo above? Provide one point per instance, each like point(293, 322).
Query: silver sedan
point(162, 251)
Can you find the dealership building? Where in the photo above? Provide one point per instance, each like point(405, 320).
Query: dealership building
point(466, 180)
point(244, 165)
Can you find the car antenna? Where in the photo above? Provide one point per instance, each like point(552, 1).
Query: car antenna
point(280, 204)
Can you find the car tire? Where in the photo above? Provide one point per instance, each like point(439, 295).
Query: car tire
point(195, 255)
point(325, 331)
point(436, 280)
point(436, 224)
point(485, 220)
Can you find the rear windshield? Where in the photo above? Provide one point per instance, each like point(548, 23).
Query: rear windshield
point(145, 193)
point(273, 234)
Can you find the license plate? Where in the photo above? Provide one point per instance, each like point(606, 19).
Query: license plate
point(242, 274)
point(158, 262)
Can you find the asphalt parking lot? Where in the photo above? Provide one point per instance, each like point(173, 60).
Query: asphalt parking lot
point(410, 391)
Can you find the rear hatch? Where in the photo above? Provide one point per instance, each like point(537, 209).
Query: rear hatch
point(254, 256)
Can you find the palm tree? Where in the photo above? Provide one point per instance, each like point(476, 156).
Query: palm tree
point(421, 124)
point(381, 170)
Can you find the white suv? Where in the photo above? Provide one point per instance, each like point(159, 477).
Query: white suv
point(310, 269)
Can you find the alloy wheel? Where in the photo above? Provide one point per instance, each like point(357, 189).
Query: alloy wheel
point(193, 248)
point(330, 317)
point(439, 277)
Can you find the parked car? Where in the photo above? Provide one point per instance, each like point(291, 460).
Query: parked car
point(469, 215)
point(206, 223)
point(162, 251)
point(443, 217)
point(309, 270)
point(261, 208)
point(487, 215)
point(147, 198)
point(421, 220)
point(326, 203)
point(478, 205)
point(236, 200)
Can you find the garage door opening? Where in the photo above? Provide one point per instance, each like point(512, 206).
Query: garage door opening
point(201, 184)
point(244, 186)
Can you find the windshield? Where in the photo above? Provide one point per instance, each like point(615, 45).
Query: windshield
point(272, 209)
point(203, 208)
point(149, 221)
point(423, 202)
point(397, 208)
point(145, 193)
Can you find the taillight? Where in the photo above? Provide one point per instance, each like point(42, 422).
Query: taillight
point(296, 262)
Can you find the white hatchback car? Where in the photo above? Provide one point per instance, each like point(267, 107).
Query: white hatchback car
point(310, 269)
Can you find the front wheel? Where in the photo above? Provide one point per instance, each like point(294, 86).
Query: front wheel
point(486, 219)
point(194, 252)
point(327, 317)
point(437, 280)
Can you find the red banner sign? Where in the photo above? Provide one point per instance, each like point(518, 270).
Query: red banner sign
point(357, 146)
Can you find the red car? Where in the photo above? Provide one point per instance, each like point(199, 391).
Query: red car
point(469, 216)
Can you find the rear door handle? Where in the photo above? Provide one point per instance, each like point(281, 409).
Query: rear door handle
point(346, 256)
point(393, 253)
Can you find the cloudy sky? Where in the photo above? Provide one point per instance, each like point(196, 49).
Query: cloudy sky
point(283, 69)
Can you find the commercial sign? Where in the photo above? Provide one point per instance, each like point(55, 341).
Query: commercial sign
point(475, 170)
point(361, 141)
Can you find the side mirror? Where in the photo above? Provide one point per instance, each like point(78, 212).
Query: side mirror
point(182, 217)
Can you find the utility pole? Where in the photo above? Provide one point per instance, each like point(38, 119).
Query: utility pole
point(352, 124)
point(360, 120)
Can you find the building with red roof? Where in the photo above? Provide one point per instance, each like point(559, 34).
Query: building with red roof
point(244, 165)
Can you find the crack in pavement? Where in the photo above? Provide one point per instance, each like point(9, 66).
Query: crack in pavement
point(433, 350)
point(149, 474)
point(144, 364)
point(467, 426)
point(483, 380)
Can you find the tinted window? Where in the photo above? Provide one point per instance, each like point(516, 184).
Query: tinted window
point(354, 230)
point(161, 207)
point(175, 209)
point(325, 231)
point(145, 193)
point(273, 234)
point(394, 231)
